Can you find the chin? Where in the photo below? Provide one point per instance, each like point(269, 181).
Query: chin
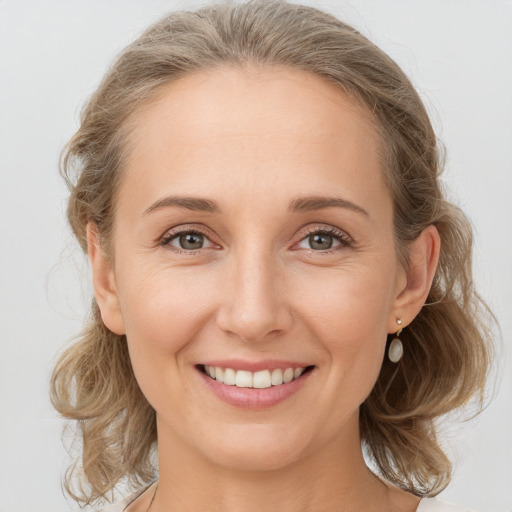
point(256, 449)
point(255, 459)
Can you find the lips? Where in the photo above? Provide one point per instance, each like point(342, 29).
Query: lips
point(257, 389)
point(261, 379)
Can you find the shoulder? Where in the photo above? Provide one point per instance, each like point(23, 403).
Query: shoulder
point(435, 505)
point(115, 507)
point(122, 505)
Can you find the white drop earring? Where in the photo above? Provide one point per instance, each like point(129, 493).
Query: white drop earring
point(396, 348)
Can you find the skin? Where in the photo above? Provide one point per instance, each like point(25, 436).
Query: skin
point(258, 289)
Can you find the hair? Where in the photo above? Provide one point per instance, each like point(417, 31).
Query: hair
point(448, 344)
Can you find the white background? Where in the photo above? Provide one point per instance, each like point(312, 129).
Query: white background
point(52, 55)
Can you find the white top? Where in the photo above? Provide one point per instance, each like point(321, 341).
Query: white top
point(434, 505)
point(426, 505)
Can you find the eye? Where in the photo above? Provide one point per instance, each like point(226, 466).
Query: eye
point(187, 241)
point(324, 240)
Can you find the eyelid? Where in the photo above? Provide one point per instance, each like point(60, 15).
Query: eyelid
point(174, 232)
point(344, 239)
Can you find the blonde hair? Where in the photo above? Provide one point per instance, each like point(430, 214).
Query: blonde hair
point(448, 344)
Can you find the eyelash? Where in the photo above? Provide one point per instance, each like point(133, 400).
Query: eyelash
point(170, 236)
point(340, 236)
point(343, 239)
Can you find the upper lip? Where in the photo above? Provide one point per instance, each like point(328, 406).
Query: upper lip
point(255, 366)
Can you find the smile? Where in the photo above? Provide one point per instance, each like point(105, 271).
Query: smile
point(258, 380)
point(255, 390)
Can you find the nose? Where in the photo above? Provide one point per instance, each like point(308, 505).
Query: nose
point(254, 305)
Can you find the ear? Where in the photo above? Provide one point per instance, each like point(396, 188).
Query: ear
point(416, 280)
point(104, 282)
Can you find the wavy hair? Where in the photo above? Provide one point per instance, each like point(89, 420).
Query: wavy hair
point(448, 344)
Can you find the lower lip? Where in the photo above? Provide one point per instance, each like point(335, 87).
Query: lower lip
point(253, 398)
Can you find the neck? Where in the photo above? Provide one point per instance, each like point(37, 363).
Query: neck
point(333, 478)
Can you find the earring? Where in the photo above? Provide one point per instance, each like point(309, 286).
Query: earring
point(396, 349)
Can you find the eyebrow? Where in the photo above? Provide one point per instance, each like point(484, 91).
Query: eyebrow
point(197, 204)
point(311, 203)
point(300, 204)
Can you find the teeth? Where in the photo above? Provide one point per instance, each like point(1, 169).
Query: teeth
point(260, 380)
point(277, 377)
point(243, 379)
point(288, 375)
point(229, 377)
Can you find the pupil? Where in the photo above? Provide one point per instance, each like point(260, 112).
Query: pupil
point(320, 241)
point(191, 241)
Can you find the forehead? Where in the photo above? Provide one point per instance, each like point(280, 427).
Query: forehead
point(228, 98)
point(251, 128)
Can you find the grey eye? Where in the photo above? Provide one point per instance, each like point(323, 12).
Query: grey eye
point(187, 241)
point(191, 241)
point(320, 241)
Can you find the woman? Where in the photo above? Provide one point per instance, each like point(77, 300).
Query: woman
point(279, 282)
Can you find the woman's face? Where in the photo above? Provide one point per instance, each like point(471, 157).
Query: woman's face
point(253, 232)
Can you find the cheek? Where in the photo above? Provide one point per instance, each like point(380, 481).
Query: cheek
point(347, 314)
point(347, 299)
point(163, 311)
point(161, 308)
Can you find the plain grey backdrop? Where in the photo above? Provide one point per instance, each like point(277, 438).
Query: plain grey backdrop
point(53, 54)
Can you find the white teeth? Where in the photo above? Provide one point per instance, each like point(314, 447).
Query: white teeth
point(243, 379)
point(259, 380)
point(288, 375)
point(277, 377)
point(229, 377)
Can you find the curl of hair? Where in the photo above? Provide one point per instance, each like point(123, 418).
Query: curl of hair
point(448, 344)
